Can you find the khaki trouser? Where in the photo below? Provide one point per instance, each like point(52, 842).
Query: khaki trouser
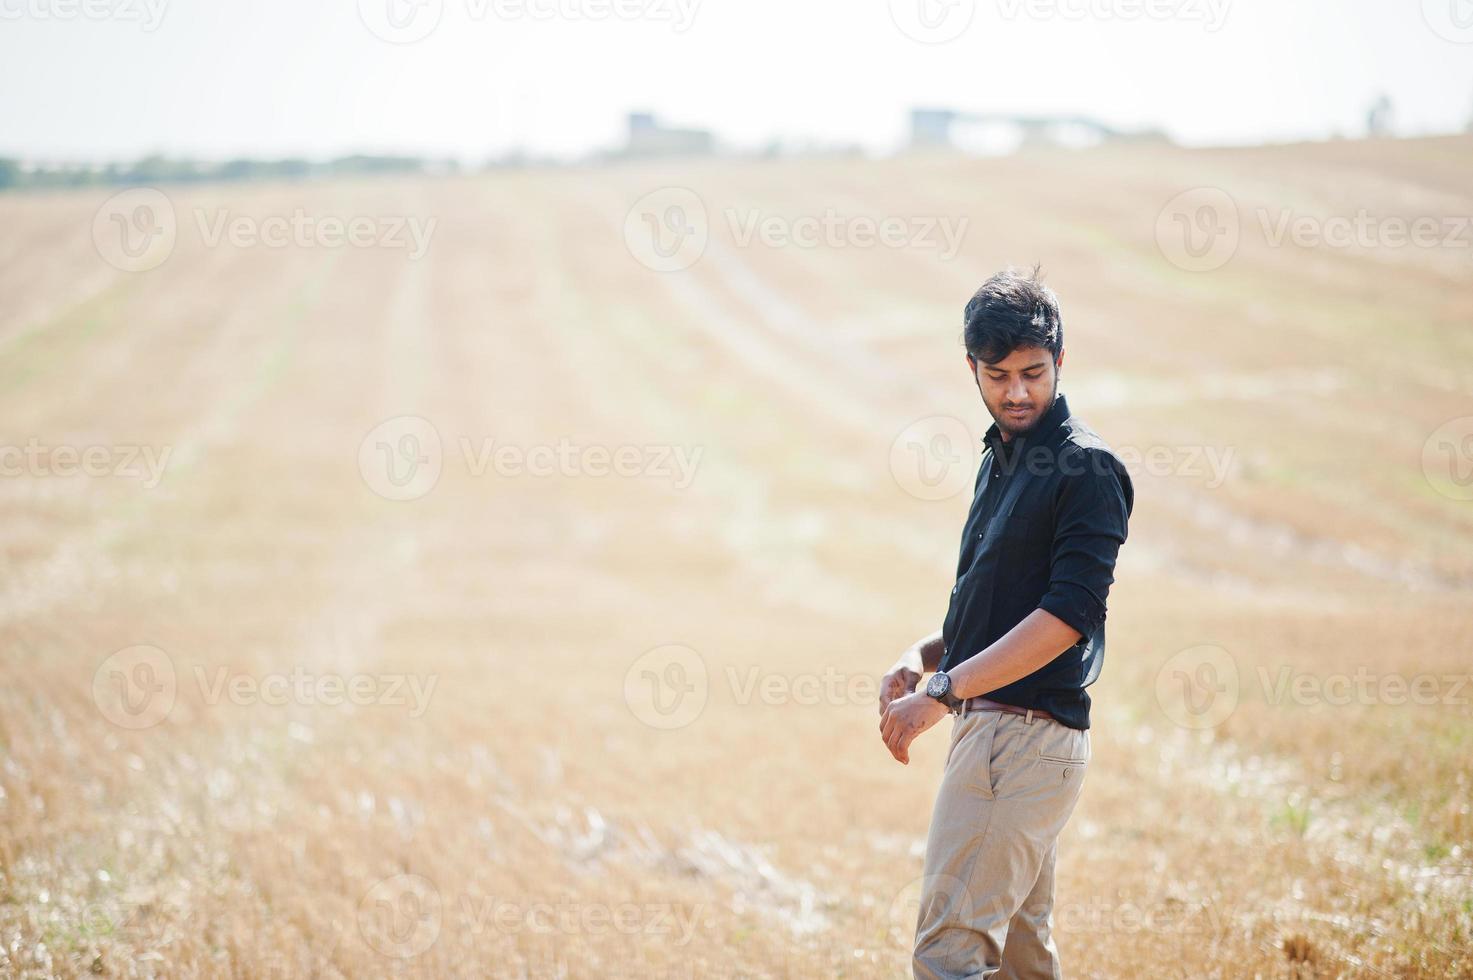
point(987, 898)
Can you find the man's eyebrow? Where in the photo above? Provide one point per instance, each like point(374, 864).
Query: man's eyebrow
point(1032, 367)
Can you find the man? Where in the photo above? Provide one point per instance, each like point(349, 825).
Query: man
point(1023, 637)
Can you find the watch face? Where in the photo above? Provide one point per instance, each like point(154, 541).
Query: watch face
point(938, 686)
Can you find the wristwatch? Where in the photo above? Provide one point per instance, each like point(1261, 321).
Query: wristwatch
point(939, 687)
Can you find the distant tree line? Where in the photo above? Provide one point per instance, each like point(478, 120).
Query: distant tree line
point(162, 170)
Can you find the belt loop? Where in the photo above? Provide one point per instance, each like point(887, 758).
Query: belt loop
point(1028, 718)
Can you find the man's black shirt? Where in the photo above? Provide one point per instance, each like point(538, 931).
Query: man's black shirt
point(1048, 517)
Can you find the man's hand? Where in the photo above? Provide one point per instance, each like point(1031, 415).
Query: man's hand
point(904, 718)
point(901, 681)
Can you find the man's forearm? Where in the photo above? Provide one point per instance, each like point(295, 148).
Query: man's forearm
point(1038, 639)
point(924, 655)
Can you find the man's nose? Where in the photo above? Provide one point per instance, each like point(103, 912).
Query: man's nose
point(1017, 390)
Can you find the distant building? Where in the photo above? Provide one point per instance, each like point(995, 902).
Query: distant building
point(1380, 118)
point(647, 138)
point(932, 129)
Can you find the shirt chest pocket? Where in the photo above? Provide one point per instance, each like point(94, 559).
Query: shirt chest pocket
point(1014, 532)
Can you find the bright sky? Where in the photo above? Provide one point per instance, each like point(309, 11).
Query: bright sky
point(115, 79)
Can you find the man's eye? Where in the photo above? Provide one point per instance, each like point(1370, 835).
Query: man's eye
point(1034, 376)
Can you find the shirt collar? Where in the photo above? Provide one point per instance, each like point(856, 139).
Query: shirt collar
point(1056, 415)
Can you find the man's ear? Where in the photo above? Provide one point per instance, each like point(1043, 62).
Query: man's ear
point(972, 370)
point(1059, 361)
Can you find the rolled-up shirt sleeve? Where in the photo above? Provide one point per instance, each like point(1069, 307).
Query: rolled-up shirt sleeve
point(1092, 509)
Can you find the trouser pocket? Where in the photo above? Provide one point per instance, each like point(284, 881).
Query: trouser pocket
point(969, 763)
point(1064, 746)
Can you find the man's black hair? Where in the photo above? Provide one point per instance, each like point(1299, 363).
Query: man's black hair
point(1012, 309)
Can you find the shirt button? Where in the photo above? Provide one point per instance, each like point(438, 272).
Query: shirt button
point(954, 588)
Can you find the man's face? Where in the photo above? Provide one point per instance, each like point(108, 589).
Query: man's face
point(1018, 389)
